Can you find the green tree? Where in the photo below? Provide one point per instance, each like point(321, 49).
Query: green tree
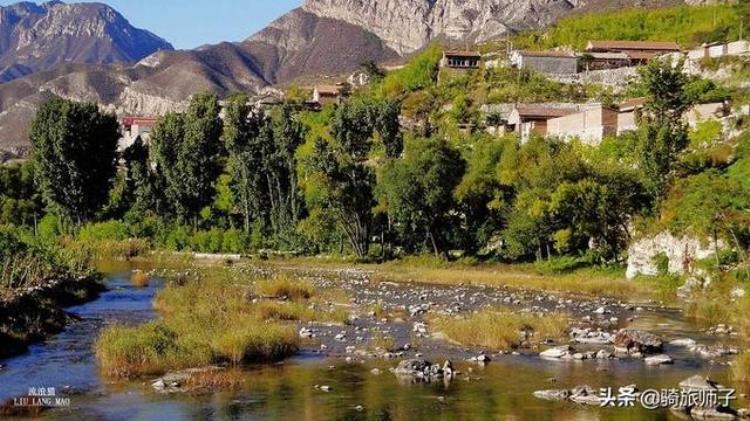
point(187, 151)
point(241, 128)
point(710, 205)
point(20, 202)
point(142, 183)
point(418, 192)
point(75, 149)
point(338, 175)
point(663, 134)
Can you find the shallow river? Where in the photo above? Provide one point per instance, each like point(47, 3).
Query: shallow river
point(500, 390)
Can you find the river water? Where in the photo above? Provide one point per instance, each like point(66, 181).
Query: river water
point(500, 390)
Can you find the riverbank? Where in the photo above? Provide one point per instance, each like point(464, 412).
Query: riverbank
point(33, 314)
point(591, 282)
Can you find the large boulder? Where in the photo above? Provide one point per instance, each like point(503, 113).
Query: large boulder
point(637, 341)
point(699, 382)
point(416, 370)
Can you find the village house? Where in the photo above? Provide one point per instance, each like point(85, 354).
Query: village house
point(527, 120)
point(627, 118)
point(327, 94)
point(461, 60)
point(718, 49)
point(133, 127)
point(603, 61)
point(267, 99)
point(639, 52)
point(591, 125)
point(551, 62)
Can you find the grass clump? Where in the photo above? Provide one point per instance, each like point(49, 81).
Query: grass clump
point(213, 320)
point(140, 279)
point(275, 310)
point(741, 368)
point(127, 351)
point(252, 342)
point(284, 287)
point(501, 329)
point(384, 342)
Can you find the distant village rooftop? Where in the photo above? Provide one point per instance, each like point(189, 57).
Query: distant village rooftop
point(462, 53)
point(533, 112)
point(653, 46)
point(139, 121)
point(547, 53)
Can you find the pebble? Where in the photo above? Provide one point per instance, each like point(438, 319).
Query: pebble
point(685, 342)
point(661, 359)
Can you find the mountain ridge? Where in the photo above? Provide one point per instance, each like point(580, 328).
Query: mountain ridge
point(39, 37)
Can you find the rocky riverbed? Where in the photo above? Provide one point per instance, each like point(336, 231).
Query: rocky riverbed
point(601, 328)
point(344, 370)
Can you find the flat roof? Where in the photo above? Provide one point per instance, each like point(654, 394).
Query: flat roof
point(328, 89)
point(549, 53)
point(632, 104)
point(460, 53)
point(543, 112)
point(633, 45)
point(141, 121)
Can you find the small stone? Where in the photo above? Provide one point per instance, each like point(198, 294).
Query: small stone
point(552, 394)
point(684, 342)
point(738, 293)
point(375, 371)
point(603, 354)
point(359, 408)
point(661, 359)
point(557, 352)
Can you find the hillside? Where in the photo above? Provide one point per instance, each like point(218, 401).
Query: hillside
point(323, 37)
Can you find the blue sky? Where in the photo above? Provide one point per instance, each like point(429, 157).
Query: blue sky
point(190, 23)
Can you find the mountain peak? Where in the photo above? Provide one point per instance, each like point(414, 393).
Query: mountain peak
point(38, 37)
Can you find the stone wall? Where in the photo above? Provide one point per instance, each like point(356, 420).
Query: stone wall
point(551, 65)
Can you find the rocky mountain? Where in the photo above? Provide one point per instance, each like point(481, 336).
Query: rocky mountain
point(407, 25)
point(39, 37)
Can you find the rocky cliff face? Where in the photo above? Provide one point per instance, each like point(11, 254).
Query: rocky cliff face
point(40, 37)
point(407, 25)
point(681, 253)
